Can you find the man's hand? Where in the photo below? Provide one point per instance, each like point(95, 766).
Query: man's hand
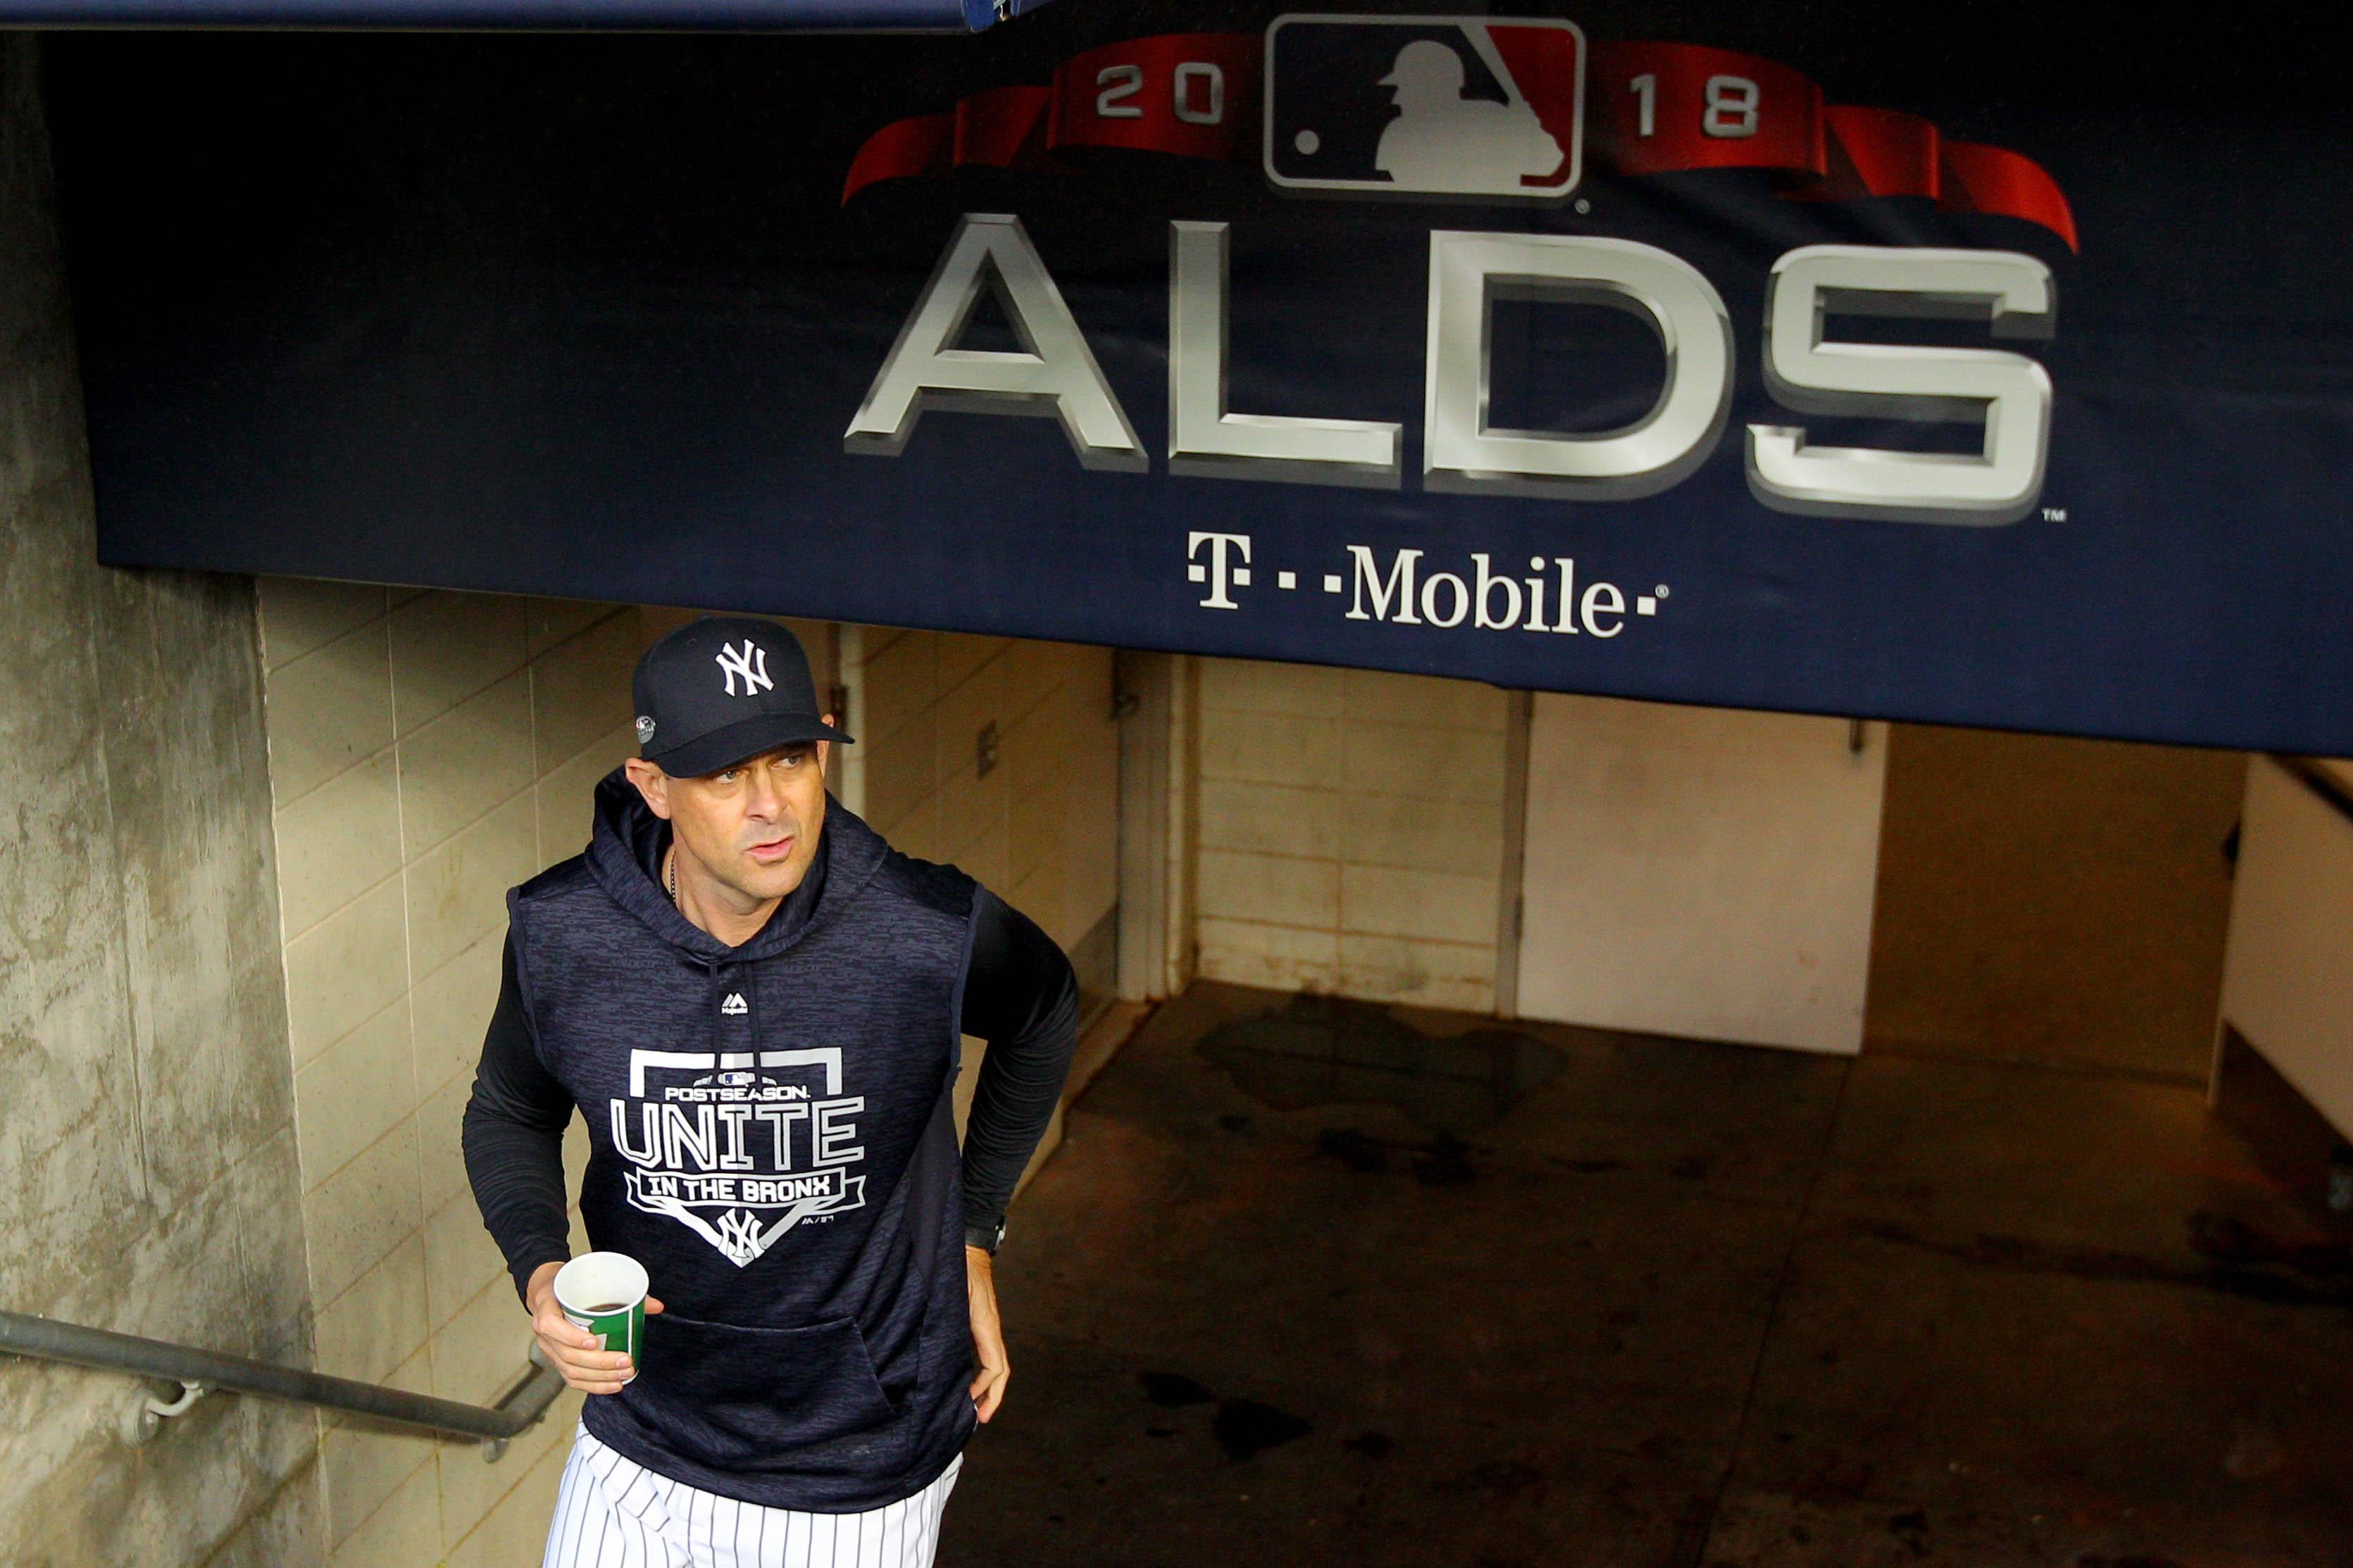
point(987, 1333)
point(570, 1349)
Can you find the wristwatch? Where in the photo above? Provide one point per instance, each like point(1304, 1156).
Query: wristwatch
point(988, 1238)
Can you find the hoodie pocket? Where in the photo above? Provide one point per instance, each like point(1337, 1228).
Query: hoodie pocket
point(738, 1398)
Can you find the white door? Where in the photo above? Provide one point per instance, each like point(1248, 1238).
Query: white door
point(1699, 872)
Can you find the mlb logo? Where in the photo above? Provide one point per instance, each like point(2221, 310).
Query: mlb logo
point(1484, 109)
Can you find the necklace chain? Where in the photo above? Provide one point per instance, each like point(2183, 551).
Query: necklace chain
point(669, 880)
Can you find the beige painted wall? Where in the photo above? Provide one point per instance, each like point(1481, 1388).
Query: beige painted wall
point(2287, 979)
point(1351, 831)
point(427, 751)
point(1699, 872)
point(1159, 823)
point(1040, 828)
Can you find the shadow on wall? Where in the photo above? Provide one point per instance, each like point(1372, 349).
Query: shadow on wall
point(2050, 899)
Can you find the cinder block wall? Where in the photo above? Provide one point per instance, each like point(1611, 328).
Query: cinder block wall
point(427, 751)
point(147, 1150)
point(1351, 832)
point(1041, 825)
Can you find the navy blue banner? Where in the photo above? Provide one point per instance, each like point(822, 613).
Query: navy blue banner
point(1991, 371)
point(668, 15)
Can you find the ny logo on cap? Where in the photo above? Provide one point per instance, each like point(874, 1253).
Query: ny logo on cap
point(751, 663)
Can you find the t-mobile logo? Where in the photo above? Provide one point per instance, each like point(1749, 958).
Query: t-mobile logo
point(1221, 571)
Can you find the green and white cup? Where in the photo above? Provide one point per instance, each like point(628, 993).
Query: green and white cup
point(604, 1293)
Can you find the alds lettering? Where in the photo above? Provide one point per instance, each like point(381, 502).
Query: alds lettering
point(1055, 374)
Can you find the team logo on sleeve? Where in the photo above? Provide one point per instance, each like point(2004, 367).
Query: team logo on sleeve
point(1482, 109)
point(740, 1146)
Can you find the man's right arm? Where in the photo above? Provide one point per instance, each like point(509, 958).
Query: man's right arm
point(514, 1158)
point(514, 1140)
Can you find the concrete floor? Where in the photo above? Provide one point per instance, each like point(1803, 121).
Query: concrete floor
point(1318, 1282)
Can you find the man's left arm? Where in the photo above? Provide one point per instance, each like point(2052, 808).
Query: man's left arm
point(1022, 997)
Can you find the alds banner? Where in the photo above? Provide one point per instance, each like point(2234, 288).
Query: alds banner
point(1983, 369)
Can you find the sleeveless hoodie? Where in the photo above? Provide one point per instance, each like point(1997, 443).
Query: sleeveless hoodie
point(772, 1135)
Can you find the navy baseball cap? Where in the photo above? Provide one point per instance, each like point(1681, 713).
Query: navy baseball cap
point(721, 690)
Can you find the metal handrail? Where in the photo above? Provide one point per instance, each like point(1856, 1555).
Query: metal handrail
point(197, 1370)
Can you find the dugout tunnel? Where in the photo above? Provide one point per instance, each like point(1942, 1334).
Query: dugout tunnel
point(1814, 1030)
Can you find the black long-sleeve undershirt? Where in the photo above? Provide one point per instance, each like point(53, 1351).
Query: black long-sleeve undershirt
point(1019, 996)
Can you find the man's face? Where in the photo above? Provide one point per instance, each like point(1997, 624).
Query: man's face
point(754, 827)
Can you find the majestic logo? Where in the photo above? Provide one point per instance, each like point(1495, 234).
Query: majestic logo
point(734, 1006)
point(1426, 106)
point(740, 1146)
point(645, 728)
point(751, 662)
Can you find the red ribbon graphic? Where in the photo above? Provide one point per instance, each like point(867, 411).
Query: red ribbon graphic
point(1128, 95)
point(1653, 108)
point(1655, 111)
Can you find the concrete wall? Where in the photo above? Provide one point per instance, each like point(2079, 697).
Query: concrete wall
point(427, 751)
point(148, 1154)
point(1351, 831)
point(2288, 982)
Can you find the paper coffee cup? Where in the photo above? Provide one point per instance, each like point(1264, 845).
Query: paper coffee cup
point(604, 1293)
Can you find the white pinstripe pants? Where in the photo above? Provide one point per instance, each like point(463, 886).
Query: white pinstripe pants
point(615, 1513)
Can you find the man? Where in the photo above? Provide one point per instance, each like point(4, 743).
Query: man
point(755, 1004)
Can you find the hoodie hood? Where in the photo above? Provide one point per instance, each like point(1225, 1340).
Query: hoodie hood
point(629, 838)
